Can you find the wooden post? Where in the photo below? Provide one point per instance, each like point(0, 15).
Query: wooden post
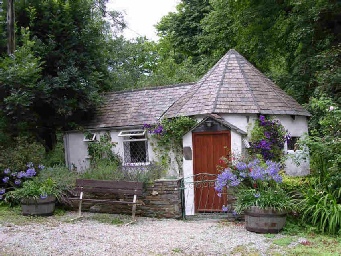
point(134, 207)
point(10, 27)
point(80, 205)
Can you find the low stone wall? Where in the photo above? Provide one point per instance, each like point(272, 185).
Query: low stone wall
point(161, 199)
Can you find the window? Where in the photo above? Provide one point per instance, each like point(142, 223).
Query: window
point(89, 136)
point(292, 143)
point(135, 147)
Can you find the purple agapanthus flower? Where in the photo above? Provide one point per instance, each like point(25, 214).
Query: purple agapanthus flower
point(2, 191)
point(241, 166)
point(225, 208)
point(41, 167)
point(17, 182)
point(30, 172)
point(257, 195)
point(7, 171)
point(5, 179)
point(43, 196)
point(21, 175)
point(29, 165)
point(223, 179)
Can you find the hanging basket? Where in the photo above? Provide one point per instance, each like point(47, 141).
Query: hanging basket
point(38, 207)
point(264, 220)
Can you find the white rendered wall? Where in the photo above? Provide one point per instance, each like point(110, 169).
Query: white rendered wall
point(296, 127)
point(76, 149)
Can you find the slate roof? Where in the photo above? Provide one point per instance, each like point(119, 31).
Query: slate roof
point(138, 107)
point(234, 85)
point(231, 86)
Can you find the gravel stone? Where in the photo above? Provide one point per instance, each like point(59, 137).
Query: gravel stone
point(147, 236)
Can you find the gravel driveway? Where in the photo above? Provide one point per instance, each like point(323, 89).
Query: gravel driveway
point(147, 236)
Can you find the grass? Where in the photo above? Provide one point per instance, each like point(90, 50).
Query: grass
point(13, 216)
point(295, 239)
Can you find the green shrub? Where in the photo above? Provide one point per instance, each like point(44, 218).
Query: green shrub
point(64, 178)
point(322, 208)
point(55, 156)
point(21, 151)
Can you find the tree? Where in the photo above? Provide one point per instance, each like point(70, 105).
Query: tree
point(55, 78)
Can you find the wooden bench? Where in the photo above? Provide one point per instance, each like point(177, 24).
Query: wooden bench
point(120, 188)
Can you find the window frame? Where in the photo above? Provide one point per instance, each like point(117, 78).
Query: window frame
point(128, 137)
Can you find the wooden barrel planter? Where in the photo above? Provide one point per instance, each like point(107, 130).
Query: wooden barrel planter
point(38, 207)
point(264, 220)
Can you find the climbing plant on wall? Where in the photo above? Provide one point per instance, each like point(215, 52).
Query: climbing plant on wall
point(268, 138)
point(168, 134)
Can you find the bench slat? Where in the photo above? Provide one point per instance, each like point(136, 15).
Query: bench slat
point(102, 201)
point(109, 184)
point(110, 190)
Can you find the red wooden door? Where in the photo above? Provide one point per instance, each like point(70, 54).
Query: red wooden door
point(208, 148)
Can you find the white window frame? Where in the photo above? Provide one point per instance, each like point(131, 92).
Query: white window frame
point(94, 138)
point(127, 137)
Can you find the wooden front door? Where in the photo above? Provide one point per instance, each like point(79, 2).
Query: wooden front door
point(208, 148)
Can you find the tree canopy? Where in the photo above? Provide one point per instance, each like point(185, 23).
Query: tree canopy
point(55, 77)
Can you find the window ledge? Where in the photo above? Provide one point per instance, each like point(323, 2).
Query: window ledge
point(136, 164)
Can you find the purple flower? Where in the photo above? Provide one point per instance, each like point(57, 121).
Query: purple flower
point(158, 129)
point(146, 126)
point(235, 182)
point(17, 182)
point(41, 167)
point(7, 171)
point(241, 166)
point(278, 178)
point(262, 120)
point(225, 208)
point(257, 173)
point(43, 196)
point(30, 172)
point(267, 135)
point(14, 174)
point(21, 175)
point(6, 179)
point(2, 191)
point(29, 165)
point(257, 195)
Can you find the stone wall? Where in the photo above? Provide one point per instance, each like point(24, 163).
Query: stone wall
point(161, 199)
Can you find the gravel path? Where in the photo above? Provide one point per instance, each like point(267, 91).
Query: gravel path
point(145, 237)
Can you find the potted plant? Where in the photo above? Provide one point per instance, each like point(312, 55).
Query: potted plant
point(258, 192)
point(37, 197)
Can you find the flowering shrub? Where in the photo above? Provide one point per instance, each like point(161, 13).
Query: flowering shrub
point(15, 179)
point(268, 138)
point(168, 134)
point(257, 183)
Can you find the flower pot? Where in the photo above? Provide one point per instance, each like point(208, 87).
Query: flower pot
point(38, 207)
point(264, 220)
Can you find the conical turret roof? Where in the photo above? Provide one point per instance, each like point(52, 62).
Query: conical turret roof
point(234, 85)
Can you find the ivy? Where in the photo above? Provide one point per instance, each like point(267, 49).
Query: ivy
point(168, 134)
point(102, 150)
